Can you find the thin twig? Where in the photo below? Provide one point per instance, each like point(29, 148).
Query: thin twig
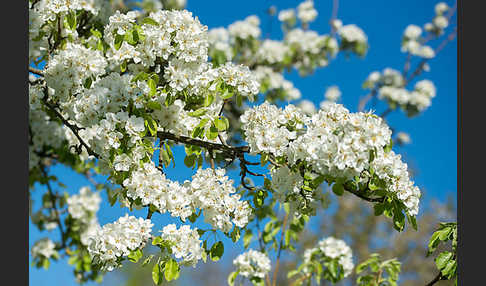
point(364, 100)
point(277, 264)
point(36, 71)
point(52, 197)
point(435, 280)
point(335, 6)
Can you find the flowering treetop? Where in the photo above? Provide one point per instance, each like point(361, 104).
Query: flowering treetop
point(121, 85)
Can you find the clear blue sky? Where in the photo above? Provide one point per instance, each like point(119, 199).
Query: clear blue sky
point(433, 151)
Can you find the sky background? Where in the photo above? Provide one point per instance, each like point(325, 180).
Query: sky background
point(432, 152)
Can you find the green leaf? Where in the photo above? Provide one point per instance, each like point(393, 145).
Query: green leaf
point(221, 123)
point(388, 147)
point(212, 132)
point(247, 238)
point(131, 37)
point(239, 100)
point(190, 160)
point(444, 233)
point(135, 255)
point(156, 274)
point(151, 125)
point(338, 189)
point(216, 251)
point(147, 260)
point(208, 99)
point(232, 277)
point(226, 94)
point(235, 234)
point(71, 20)
point(197, 112)
point(118, 41)
point(413, 221)
point(155, 105)
point(434, 241)
point(171, 270)
point(442, 260)
point(123, 66)
point(149, 21)
point(153, 87)
point(46, 263)
point(450, 269)
point(157, 240)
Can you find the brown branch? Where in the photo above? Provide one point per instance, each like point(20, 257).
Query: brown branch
point(335, 6)
point(52, 197)
point(36, 71)
point(435, 280)
point(303, 278)
point(73, 127)
point(226, 149)
point(356, 193)
point(277, 264)
point(364, 100)
point(386, 112)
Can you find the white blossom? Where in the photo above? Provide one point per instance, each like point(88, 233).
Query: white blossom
point(185, 242)
point(118, 239)
point(252, 263)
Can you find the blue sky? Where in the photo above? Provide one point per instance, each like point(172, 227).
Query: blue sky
point(433, 151)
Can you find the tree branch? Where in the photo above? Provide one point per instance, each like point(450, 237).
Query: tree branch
point(277, 264)
point(52, 197)
point(435, 280)
point(73, 128)
point(36, 71)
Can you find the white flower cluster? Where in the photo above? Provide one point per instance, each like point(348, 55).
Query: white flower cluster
point(252, 264)
point(306, 12)
point(310, 48)
point(185, 243)
point(266, 128)
point(307, 107)
point(284, 181)
point(440, 21)
point(272, 52)
point(411, 43)
point(352, 33)
point(207, 191)
point(116, 240)
point(175, 119)
point(333, 142)
point(108, 95)
point(44, 132)
point(420, 97)
point(176, 34)
point(83, 208)
point(403, 138)
point(219, 40)
point(287, 16)
point(274, 81)
point(107, 135)
point(149, 185)
point(84, 205)
point(44, 248)
point(333, 93)
point(42, 22)
point(338, 143)
point(332, 248)
point(67, 71)
point(241, 78)
point(210, 191)
point(390, 168)
point(353, 38)
point(248, 28)
point(390, 86)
